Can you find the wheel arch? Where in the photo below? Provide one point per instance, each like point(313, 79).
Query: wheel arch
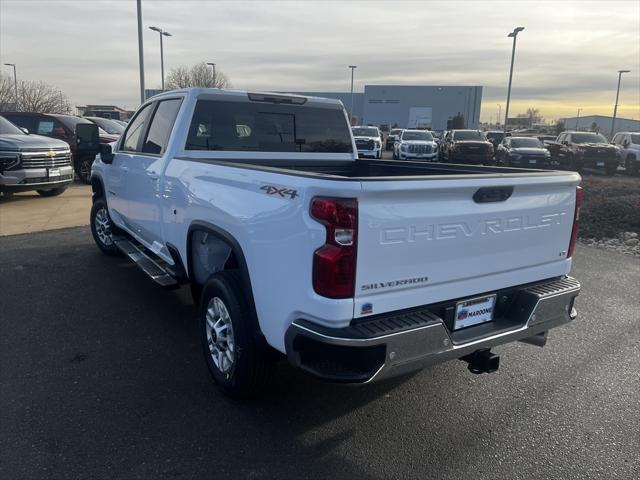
point(235, 259)
point(97, 188)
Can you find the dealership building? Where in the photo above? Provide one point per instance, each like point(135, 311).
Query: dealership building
point(601, 123)
point(409, 106)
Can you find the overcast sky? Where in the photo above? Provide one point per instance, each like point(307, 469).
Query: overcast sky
point(566, 58)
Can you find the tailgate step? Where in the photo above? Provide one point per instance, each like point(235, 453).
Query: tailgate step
point(148, 265)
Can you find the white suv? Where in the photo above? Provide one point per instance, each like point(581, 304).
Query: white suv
point(415, 144)
point(368, 141)
point(628, 145)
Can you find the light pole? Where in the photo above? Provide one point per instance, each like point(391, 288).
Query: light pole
point(213, 72)
point(513, 35)
point(352, 67)
point(140, 51)
point(15, 82)
point(615, 108)
point(499, 114)
point(578, 118)
point(162, 34)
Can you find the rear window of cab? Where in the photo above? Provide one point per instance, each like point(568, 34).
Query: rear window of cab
point(266, 127)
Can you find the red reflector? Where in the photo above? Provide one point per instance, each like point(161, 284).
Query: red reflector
point(576, 220)
point(334, 264)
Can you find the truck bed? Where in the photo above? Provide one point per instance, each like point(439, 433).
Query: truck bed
point(365, 169)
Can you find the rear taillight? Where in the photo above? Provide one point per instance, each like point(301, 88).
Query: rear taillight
point(576, 220)
point(334, 264)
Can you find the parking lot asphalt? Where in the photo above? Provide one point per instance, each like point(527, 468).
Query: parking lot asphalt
point(102, 376)
point(29, 212)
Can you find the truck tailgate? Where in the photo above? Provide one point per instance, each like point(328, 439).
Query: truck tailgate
point(427, 241)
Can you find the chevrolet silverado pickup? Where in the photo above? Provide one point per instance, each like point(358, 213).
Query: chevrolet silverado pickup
point(32, 162)
point(576, 150)
point(354, 270)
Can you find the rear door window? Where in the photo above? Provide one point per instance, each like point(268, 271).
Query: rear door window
point(135, 130)
point(161, 126)
point(45, 127)
point(267, 127)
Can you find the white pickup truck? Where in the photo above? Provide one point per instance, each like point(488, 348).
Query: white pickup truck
point(355, 270)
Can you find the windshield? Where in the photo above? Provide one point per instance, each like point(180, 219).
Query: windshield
point(364, 132)
point(265, 127)
point(417, 135)
point(8, 128)
point(108, 125)
point(635, 139)
point(468, 135)
point(495, 135)
point(588, 138)
point(395, 131)
point(525, 143)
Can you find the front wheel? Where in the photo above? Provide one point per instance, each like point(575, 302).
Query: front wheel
point(239, 367)
point(632, 166)
point(102, 228)
point(83, 169)
point(610, 169)
point(54, 192)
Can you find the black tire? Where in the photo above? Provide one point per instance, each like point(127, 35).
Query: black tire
point(54, 192)
point(102, 231)
point(610, 169)
point(252, 365)
point(631, 166)
point(575, 164)
point(83, 169)
point(7, 195)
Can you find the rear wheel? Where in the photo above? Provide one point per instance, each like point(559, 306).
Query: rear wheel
point(52, 192)
point(239, 367)
point(102, 228)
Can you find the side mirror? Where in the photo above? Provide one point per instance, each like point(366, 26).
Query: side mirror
point(87, 139)
point(564, 142)
point(625, 144)
point(106, 153)
point(25, 130)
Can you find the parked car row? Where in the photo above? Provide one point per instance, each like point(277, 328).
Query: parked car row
point(570, 150)
point(41, 163)
point(63, 127)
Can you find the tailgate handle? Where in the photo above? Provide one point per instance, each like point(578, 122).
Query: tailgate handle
point(492, 194)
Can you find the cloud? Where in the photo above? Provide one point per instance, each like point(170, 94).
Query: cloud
point(568, 54)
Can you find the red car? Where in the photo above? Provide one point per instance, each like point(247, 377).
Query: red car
point(62, 127)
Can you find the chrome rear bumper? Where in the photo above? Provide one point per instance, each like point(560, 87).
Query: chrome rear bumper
point(394, 344)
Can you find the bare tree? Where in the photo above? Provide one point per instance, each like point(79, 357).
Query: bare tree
point(199, 75)
point(7, 93)
point(33, 97)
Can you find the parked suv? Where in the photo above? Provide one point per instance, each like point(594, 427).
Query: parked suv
point(62, 127)
point(523, 152)
point(575, 150)
point(415, 145)
point(628, 145)
point(32, 162)
point(467, 146)
point(368, 141)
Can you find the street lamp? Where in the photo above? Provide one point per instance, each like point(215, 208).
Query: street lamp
point(213, 72)
point(578, 118)
point(513, 35)
point(140, 50)
point(499, 113)
point(162, 34)
point(15, 82)
point(615, 108)
point(352, 67)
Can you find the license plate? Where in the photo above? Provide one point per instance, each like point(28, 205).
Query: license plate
point(600, 164)
point(474, 311)
point(54, 172)
point(533, 161)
